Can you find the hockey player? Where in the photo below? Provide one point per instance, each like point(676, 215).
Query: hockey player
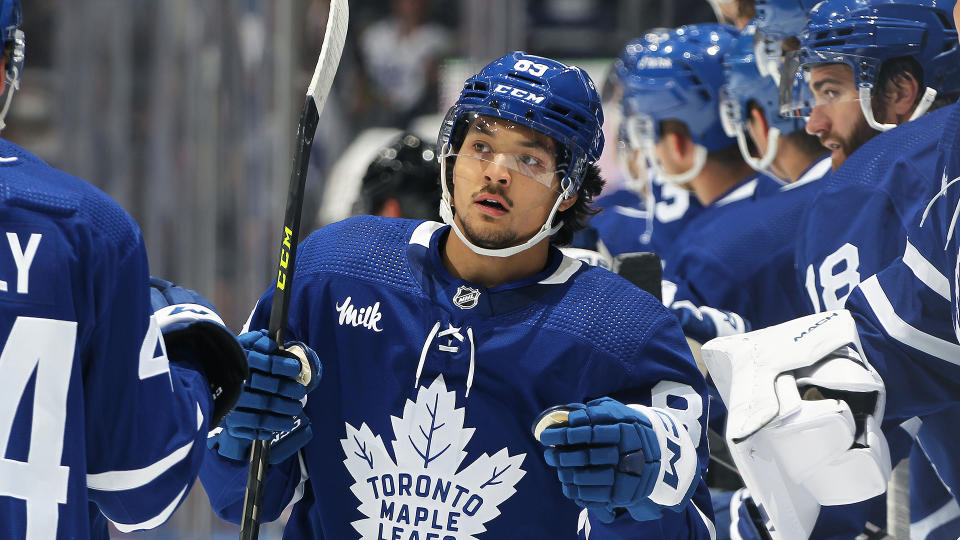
point(100, 417)
point(449, 340)
point(402, 181)
point(855, 226)
point(647, 213)
point(884, 181)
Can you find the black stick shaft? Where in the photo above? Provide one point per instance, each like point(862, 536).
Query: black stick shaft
point(260, 451)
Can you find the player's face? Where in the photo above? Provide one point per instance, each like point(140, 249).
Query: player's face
point(836, 118)
point(504, 183)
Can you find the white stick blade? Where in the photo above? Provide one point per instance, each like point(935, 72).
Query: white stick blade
point(333, 40)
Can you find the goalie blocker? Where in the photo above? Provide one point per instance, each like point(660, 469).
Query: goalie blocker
point(804, 418)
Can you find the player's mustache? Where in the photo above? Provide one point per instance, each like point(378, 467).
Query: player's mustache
point(495, 191)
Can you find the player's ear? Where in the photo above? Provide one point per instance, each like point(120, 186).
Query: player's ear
point(757, 125)
point(902, 93)
point(567, 203)
point(678, 145)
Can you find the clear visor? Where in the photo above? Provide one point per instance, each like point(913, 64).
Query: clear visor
point(730, 112)
point(520, 151)
point(814, 79)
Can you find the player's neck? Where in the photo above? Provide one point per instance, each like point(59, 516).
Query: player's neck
point(791, 162)
point(463, 263)
point(717, 179)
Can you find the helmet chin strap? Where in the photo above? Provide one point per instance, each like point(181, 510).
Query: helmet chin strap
point(13, 84)
point(699, 160)
point(446, 213)
point(763, 163)
point(865, 105)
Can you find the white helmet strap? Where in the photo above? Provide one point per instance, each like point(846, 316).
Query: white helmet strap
point(865, 105)
point(446, 214)
point(699, 160)
point(761, 164)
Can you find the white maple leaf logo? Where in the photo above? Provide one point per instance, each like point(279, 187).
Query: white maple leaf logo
point(422, 494)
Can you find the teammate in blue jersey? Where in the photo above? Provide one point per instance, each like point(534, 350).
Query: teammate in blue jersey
point(441, 344)
point(100, 418)
point(647, 213)
point(904, 331)
point(908, 153)
point(734, 258)
point(906, 321)
point(857, 224)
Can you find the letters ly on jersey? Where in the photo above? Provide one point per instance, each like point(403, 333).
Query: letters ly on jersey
point(424, 493)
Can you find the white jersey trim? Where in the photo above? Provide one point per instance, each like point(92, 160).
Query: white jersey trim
point(711, 528)
point(132, 479)
point(424, 231)
point(947, 512)
point(155, 521)
point(631, 212)
point(743, 192)
point(903, 332)
point(818, 171)
point(568, 267)
point(926, 272)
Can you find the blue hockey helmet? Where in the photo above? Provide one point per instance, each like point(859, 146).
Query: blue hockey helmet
point(780, 19)
point(863, 34)
point(744, 84)
point(13, 49)
point(550, 97)
point(627, 59)
point(679, 78)
point(777, 20)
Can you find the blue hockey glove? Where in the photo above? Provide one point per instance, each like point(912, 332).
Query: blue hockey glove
point(194, 334)
point(271, 405)
point(608, 459)
point(704, 323)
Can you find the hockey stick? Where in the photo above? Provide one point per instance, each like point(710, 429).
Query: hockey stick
point(317, 92)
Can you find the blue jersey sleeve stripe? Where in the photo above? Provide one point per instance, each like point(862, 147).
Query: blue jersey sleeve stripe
point(155, 521)
point(926, 272)
point(132, 479)
point(898, 329)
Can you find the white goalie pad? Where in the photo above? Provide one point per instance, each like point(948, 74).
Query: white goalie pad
point(797, 454)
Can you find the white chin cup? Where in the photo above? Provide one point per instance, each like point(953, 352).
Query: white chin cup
point(865, 106)
point(446, 213)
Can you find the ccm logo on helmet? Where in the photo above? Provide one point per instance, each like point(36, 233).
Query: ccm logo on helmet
point(516, 92)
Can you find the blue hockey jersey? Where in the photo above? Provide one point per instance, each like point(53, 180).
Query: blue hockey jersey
point(630, 223)
point(856, 224)
point(92, 417)
point(430, 385)
point(907, 320)
point(735, 255)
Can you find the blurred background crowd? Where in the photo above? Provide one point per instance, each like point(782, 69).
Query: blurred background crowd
point(185, 112)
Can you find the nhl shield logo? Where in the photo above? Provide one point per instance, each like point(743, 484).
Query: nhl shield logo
point(466, 297)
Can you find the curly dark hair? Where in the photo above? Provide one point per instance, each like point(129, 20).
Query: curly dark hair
point(893, 71)
point(576, 217)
